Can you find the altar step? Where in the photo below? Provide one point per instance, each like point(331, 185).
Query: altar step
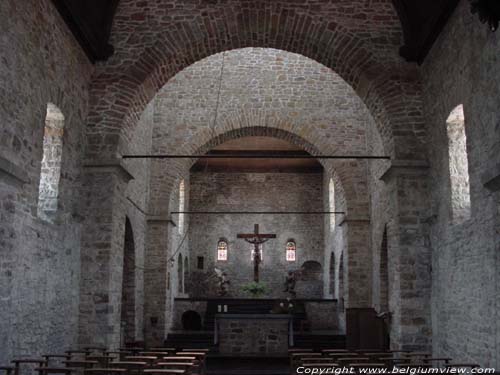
point(319, 340)
point(192, 340)
point(244, 306)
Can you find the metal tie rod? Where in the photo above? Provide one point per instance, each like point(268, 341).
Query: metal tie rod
point(259, 212)
point(250, 156)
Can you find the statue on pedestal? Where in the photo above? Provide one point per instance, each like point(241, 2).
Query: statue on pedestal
point(222, 281)
point(291, 281)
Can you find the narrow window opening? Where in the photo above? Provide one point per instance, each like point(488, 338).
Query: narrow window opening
point(331, 204)
point(50, 172)
point(458, 165)
point(200, 263)
point(182, 196)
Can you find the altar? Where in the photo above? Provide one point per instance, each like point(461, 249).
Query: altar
point(253, 334)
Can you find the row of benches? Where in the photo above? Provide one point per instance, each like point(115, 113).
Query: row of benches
point(125, 361)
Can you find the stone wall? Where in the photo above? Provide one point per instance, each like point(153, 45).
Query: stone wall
point(40, 260)
point(255, 192)
point(463, 68)
point(240, 336)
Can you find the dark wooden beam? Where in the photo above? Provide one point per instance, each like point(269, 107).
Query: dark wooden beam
point(90, 21)
point(422, 21)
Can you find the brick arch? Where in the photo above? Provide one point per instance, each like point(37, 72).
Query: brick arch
point(350, 178)
point(389, 89)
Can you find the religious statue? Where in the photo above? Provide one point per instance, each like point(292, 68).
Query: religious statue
point(223, 282)
point(291, 281)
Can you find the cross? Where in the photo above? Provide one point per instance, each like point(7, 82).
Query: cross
point(256, 239)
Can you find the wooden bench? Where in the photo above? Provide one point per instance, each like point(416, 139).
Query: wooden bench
point(55, 370)
point(349, 361)
point(104, 371)
point(430, 360)
point(29, 361)
point(80, 364)
point(129, 366)
point(188, 367)
point(148, 359)
point(462, 365)
point(7, 369)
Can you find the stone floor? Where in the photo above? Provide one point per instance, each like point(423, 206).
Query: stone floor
point(221, 365)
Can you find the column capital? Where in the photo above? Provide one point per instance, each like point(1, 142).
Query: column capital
point(108, 166)
point(402, 167)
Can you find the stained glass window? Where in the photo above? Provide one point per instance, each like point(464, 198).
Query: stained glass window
point(290, 251)
point(222, 250)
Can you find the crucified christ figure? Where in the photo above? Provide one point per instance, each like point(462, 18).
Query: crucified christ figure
point(256, 239)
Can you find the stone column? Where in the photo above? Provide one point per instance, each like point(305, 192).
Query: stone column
point(409, 255)
point(104, 210)
point(491, 182)
point(357, 262)
point(155, 280)
point(12, 181)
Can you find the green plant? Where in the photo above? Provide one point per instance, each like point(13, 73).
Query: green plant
point(255, 289)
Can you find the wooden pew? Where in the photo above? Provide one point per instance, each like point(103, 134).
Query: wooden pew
point(55, 370)
point(436, 360)
point(164, 371)
point(80, 364)
point(462, 365)
point(8, 370)
point(188, 367)
point(131, 367)
point(104, 371)
point(33, 361)
point(148, 359)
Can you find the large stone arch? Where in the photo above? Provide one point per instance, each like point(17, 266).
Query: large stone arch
point(124, 86)
point(350, 174)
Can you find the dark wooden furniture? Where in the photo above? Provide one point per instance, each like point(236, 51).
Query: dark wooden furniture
point(365, 330)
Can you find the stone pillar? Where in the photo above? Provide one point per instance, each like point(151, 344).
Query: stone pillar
point(491, 182)
point(12, 182)
point(155, 281)
point(103, 234)
point(409, 255)
point(357, 262)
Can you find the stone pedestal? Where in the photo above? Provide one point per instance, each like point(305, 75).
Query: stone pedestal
point(253, 334)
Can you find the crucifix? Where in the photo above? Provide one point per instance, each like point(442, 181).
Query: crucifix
point(256, 239)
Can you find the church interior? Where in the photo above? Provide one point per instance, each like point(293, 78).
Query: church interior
point(249, 186)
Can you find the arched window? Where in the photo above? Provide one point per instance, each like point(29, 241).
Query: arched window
point(384, 274)
point(50, 173)
point(332, 274)
point(291, 249)
point(331, 204)
point(128, 308)
point(222, 250)
point(182, 205)
point(459, 168)
point(180, 274)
